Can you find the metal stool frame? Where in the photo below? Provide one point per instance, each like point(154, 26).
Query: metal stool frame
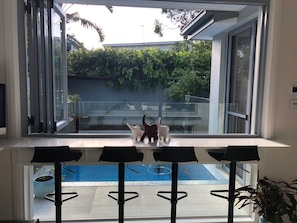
point(57, 155)
point(174, 155)
point(121, 155)
point(233, 154)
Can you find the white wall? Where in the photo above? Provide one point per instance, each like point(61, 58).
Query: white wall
point(9, 75)
point(218, 75)
point(279, 121)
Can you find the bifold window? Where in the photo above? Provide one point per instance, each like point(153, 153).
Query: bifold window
point(203, 82)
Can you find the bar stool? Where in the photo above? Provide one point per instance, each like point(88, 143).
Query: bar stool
point(174, 155)
point(233, 154)
point(121, 155)
point(57, 155)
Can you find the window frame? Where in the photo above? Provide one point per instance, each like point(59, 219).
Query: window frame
point(258, 93)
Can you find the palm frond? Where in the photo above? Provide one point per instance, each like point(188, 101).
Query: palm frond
point(75, 17)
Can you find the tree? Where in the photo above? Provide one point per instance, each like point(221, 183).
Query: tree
point(192, 73)
point(181, 17)
point(75, 17)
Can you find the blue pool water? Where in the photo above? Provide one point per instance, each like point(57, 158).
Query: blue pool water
point(135, 172)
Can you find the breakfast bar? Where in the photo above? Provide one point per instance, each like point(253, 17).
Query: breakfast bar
point(21, 152)
point(91, 147)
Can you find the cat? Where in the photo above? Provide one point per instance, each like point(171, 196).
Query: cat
point(163, 131)
point(136, 131)
point(150, 131)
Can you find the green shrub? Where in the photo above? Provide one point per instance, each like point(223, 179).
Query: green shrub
point(182, 69)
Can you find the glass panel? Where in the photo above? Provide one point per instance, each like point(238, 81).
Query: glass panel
point(40, 64)
point(93, 182)
point(240, 70)
point(182, 118)
point(58, 65)
point(104, 116)
point(236, 124)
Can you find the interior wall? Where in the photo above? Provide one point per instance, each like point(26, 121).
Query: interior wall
point(279, 117)
point(9, 75)
point(285, 127)
point(6, 186)
point(12, 68)
point(5, 164)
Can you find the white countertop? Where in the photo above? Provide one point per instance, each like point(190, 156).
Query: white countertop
point(23, 149)
point(31, 142)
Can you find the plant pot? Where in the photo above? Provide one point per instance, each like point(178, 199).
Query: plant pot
point(262, 220)
point(43, 185)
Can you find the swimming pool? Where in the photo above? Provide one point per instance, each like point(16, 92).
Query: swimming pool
point(138, 172)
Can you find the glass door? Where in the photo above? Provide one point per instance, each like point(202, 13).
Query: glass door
point(240, 80)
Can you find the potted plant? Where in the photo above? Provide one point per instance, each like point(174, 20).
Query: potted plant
point(44, 182)
point(272, 200)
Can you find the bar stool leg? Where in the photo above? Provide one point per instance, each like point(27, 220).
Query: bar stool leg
point(174, 192)
point(58, 192)
point(121, 198)
point(231, 196)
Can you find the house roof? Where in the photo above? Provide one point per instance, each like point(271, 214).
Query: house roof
point(209, 23)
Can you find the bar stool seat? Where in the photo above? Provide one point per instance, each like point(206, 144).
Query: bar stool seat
point(57, 155)
point(121, 155)
point(233, 154)
point(174, 155)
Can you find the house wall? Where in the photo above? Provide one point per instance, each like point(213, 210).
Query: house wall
point(279, 120)
point(218, 76)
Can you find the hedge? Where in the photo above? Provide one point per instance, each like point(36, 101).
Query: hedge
point(145, 68)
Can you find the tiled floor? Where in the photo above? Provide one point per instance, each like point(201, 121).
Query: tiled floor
point(93, 203)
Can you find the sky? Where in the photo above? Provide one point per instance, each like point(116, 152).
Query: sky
point(124, 25)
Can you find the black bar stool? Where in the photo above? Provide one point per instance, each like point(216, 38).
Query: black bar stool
point(174, 155)
point(57, 155)
point(121, 155)
point(233, 154)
